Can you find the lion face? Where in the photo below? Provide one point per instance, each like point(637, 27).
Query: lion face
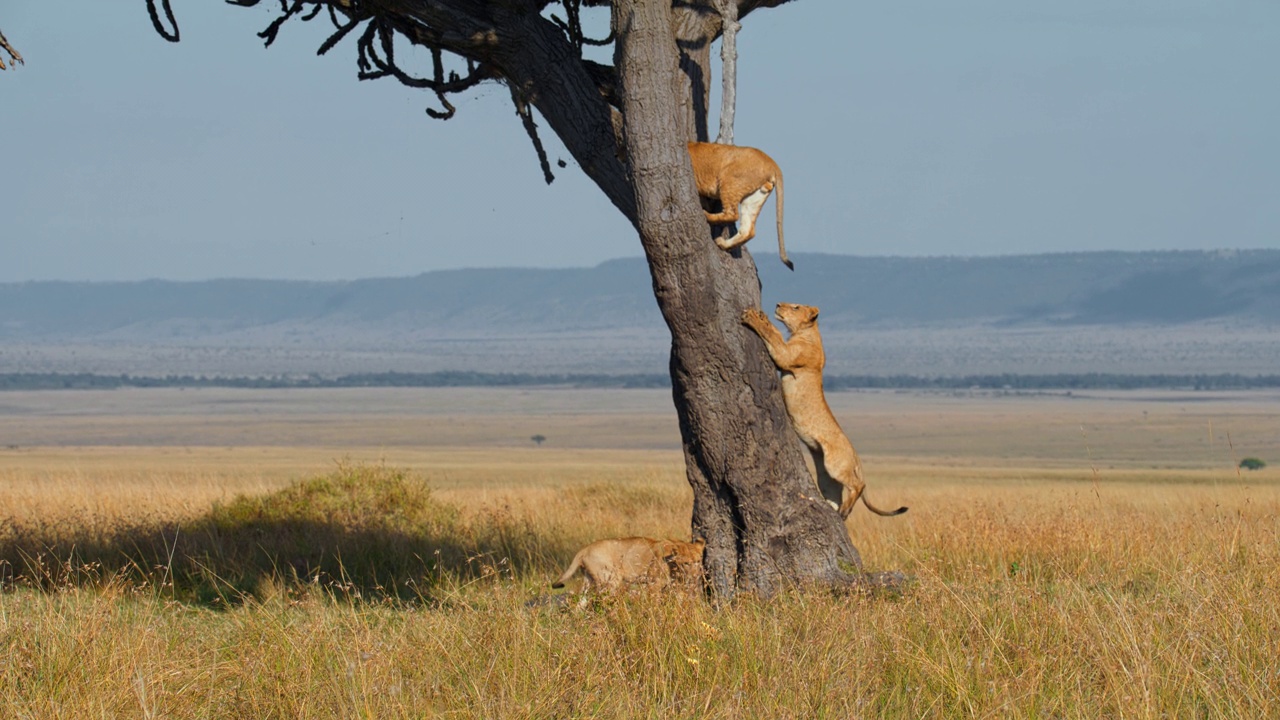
point(684, 559)
point(796, 316)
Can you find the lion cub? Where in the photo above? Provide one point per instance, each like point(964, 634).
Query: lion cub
point(610, 564)
point(741, 178)
point(801, 360)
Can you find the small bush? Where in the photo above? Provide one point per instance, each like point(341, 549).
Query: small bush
point(366, 532)
point(370, 528)
point(1252, 463)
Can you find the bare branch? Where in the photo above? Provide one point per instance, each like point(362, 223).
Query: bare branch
point(343, 31)
point(509, 40)
point(729, 72)
point(573, 26)
point(169, 18)
point(448, 111)
point(526, 117)
point(14, 55)
point(378, 61)
point(274, 28)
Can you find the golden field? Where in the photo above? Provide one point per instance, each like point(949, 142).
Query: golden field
point(386, 554)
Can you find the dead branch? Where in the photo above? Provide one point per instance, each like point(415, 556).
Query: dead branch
point(512, 41)
point(531, 129)
point(729, 64)
point(573, 26)
point(168, 17)
point(14, 55)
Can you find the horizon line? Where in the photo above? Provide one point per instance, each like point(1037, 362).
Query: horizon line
point(1220, 251)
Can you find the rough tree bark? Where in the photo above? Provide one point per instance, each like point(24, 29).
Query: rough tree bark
point(755, 502)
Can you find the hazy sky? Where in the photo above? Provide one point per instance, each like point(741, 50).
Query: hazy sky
point(904, 127)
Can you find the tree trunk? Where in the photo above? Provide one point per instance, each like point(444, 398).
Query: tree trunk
point(754, 500)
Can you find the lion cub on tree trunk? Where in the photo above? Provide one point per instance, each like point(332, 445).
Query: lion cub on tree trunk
point(801, 360)
point(607, 565)
point(741, 178)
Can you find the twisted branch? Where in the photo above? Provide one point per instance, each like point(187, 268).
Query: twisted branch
point(509, 40)
point(14, 55)
point(269, 34)
point(378, 61)
point(531, 129)
point(169, 18)
point(343, 30)
point(573, 27)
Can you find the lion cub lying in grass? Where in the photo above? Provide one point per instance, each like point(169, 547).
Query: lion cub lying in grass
point(610, 564)
point(801, 359)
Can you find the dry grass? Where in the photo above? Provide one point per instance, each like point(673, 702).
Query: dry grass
point(1043, 589)
point(111, 483)
point(1045, 596)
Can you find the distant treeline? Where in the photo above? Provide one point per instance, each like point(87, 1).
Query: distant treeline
point(1077, 381)
point(89, 381)
point(1085, 381)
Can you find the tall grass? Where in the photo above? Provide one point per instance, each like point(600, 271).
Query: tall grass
point(1152, 595)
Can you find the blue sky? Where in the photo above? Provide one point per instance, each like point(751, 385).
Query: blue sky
point(911, 127)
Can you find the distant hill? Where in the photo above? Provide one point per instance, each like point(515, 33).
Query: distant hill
point(1162, 288)
point(609, 295)
point(1073, 288)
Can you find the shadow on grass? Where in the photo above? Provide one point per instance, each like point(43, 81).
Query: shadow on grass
point(366, 533)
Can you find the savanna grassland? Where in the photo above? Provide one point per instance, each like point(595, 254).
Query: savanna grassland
point(387, 554)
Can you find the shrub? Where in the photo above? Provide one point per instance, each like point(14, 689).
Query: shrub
point(360, 532)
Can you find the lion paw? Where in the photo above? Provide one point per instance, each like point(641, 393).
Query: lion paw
point(753, 317)
point(731, 242)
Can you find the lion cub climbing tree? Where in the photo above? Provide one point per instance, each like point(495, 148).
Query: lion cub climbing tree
point(801, 359)
point(739, 179)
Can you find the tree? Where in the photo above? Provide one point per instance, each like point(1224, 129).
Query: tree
point(626, 126)
point(1252, 463)
point(539, 439)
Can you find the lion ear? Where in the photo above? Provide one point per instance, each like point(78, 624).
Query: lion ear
point(813, 313)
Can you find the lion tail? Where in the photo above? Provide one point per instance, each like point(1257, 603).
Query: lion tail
point(782, 247)
point(573, 568)
point(878, 511)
